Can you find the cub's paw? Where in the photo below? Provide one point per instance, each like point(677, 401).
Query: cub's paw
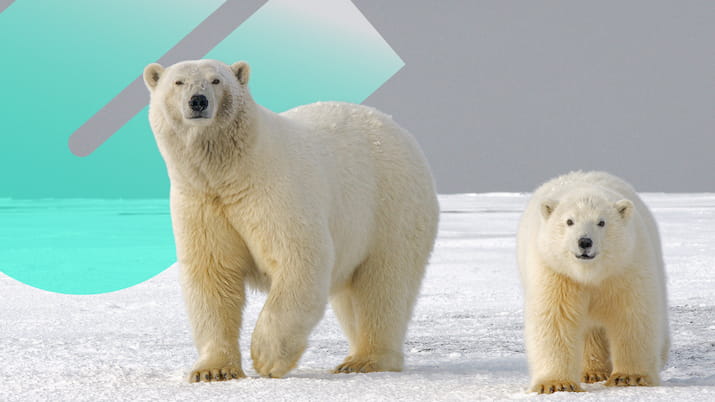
point(549, 387)
point(216, 374)
point(625, 380)
point(590, 377)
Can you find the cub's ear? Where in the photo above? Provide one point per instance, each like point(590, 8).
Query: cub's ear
point(547, 208)
point(152, 73)
point(624, 208)
point(242, 71)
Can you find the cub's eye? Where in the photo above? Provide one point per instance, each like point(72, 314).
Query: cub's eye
point(601, 223)
point(216, 81)
point(179, 83)
point(569, 222)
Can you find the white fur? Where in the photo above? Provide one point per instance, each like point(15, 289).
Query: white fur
point(592, 319)
point(328, 200)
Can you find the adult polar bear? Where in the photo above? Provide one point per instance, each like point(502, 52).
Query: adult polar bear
point(592, 271)
point(328, 200)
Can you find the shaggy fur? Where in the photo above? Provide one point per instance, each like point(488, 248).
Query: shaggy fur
point(603, 318)
point(324, 201)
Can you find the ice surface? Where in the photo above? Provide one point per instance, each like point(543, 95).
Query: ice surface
point(465, 340)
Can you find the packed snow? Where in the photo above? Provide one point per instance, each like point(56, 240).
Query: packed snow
point(465, 340)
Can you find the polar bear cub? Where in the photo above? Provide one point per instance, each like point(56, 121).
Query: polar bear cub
point(328, 201)
point(592, 270)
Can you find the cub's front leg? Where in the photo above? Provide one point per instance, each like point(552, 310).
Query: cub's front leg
point(632, 322)
point(554, 333)
point(212, 258)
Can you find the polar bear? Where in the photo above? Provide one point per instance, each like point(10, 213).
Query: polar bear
point(592, 270)
point(328, 201)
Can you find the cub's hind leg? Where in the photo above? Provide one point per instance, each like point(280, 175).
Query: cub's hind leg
point(596, 357)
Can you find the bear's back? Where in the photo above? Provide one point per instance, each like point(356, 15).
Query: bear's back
point(607, 184)
point(350, 134)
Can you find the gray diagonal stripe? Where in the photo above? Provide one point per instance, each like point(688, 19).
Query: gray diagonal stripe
point(5, 4)
point(115, 114)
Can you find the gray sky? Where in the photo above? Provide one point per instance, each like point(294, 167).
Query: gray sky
point(503, 95)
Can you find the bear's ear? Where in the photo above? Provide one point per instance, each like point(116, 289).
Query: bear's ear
point(152, 73)
point(547, 208)
point(624, 208)
point(241, 71)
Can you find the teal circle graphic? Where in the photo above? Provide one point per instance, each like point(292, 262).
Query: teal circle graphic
point(101, 223)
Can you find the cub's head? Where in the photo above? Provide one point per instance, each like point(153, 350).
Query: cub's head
point(198, 93)
point(587, 237)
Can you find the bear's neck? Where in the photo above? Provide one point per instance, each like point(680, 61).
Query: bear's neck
point(209, 159)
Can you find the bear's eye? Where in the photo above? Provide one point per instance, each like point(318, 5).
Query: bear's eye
point(179, 82)
point(601, 223)
point(216, 81)
point(569, 222)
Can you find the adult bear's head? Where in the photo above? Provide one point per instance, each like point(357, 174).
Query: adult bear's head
point(198, 93)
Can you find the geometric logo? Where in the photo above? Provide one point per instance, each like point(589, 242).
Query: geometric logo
point(100, 222)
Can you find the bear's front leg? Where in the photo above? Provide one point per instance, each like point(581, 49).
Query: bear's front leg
point(634, 338)
point(215, 315)
point(295, 304)
point(554, 333)
point(212, 259)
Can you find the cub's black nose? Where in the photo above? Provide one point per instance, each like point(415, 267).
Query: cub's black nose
point(585, 243)
point(198, 103)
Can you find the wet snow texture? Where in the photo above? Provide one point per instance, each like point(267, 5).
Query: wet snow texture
point(465, 340)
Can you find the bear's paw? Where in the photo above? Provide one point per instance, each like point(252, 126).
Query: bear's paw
point(216, 374)
point(357, 366)
point(549, 387)
point(275, 356)
point(591, 377)
point(625, 380)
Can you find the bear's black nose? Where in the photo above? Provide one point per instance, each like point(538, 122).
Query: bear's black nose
point(585, 243)
point(198, 103)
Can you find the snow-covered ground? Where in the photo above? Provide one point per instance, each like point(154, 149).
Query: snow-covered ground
point(465, 340)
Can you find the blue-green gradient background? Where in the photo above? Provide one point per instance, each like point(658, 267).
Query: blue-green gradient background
point(101, 223)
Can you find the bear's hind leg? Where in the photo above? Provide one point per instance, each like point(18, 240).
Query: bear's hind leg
point(596, 358)
point(383, 292)
point(342, 303)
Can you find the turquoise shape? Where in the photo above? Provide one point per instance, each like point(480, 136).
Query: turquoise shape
point(101, 223)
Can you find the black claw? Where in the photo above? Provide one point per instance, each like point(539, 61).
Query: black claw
point(197, 377)
point(207, 376)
